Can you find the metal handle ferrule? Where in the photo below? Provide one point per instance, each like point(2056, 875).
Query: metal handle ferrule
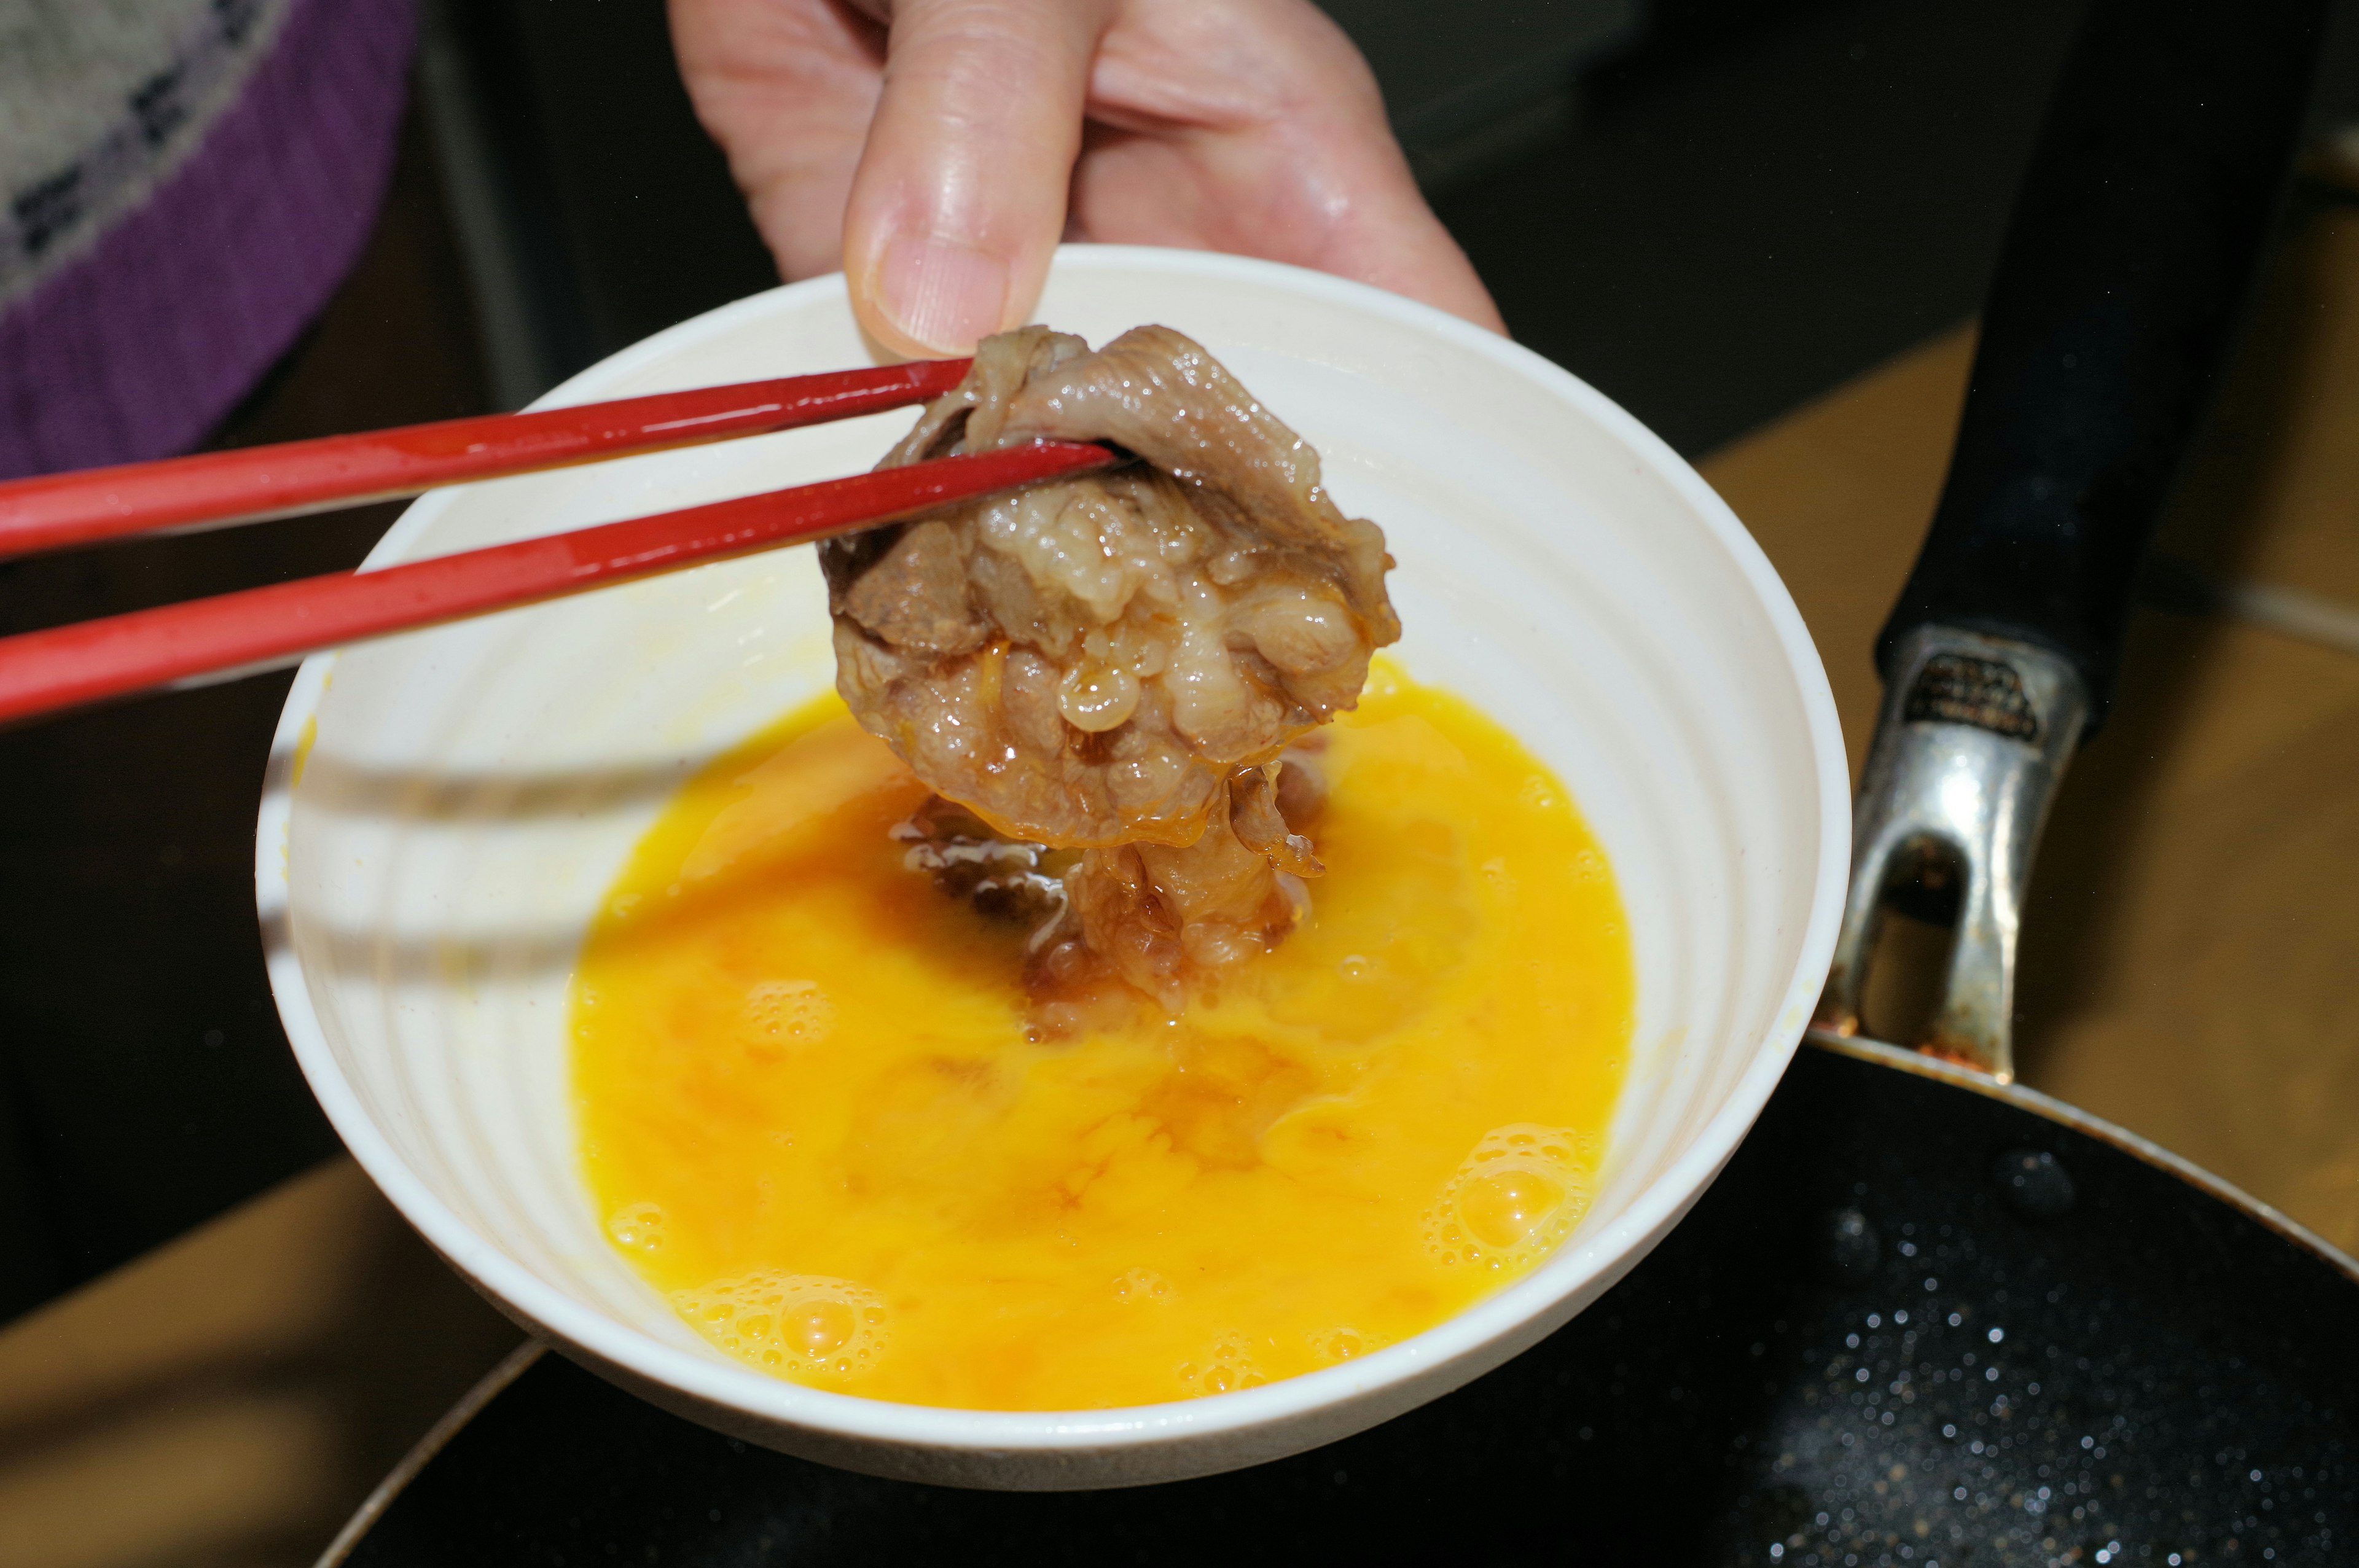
point(1971, 741)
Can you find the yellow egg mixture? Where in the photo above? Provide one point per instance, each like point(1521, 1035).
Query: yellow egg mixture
point(810, 1115)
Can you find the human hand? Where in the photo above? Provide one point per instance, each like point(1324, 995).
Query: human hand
point(937, 150)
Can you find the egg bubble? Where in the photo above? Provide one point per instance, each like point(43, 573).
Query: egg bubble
point(637, 1227)
point(789, 1013)
point(1342, 1343)
point(1229, 1366)
point(1142, 1285)
point(790, 1323)
point(1511, 1201)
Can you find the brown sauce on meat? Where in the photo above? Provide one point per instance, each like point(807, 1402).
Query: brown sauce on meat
point(1106, 673)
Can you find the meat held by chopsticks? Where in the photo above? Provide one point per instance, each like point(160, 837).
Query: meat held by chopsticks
point(1114, 664)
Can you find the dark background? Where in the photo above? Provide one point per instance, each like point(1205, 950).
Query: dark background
point(1713, 210)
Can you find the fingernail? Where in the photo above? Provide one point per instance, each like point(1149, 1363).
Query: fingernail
point(942, 294)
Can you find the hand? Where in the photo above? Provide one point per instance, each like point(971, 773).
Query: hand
point(937, 150)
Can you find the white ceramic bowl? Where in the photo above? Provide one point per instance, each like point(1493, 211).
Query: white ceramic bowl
point(444, 810)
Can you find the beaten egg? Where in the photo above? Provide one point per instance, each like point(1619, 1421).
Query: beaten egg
point(813, 1116)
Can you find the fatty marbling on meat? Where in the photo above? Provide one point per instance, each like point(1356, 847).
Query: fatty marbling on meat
point(1114, 664)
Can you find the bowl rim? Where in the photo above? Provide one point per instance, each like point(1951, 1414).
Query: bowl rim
point(1598, 1254)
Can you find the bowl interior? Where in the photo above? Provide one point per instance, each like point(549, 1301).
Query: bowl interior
point(447, 807)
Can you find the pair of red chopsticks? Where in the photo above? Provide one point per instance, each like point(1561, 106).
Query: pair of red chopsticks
point(178, 644)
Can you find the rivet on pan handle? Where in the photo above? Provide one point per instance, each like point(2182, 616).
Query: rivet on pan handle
point(2133, 243)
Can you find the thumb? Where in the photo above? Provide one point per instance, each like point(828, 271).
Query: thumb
point(960, 197)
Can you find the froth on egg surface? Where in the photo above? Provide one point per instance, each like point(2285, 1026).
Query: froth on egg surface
point(1229, 1365)
point(637, 1226)
point(1513, 1199)
point(812, 1117)
point(805, 1326)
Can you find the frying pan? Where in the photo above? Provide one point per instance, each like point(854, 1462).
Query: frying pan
point(1928, 1316)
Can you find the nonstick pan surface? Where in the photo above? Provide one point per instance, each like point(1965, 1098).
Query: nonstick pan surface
point(1921, 1320)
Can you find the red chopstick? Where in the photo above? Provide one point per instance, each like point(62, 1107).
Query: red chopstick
point(237, 633)
point(52, 511)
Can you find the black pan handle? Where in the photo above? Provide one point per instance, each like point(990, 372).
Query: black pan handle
point(2134, 240)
